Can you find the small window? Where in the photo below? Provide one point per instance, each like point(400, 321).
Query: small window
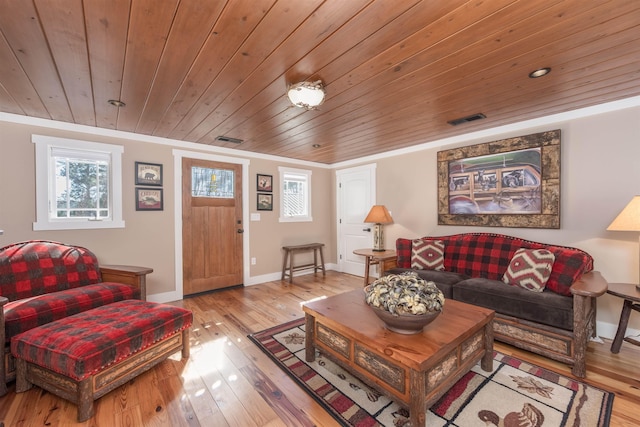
point(295, 202)
point(78, 184)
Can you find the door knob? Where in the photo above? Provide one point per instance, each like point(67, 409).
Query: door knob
point(366, 229)
point(240, 231)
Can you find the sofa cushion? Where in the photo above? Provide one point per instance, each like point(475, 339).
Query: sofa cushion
point(444, 280)
point(81, 345)
point(427, 254)
point(20, 316)
point(530, 269)
point(39, 267)
point(548, 308)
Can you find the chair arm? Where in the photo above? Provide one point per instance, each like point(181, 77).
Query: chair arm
point(3, 301)
point(127, 274)
point(591, 284)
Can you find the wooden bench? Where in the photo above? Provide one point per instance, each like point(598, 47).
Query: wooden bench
point(289, 251)
point(83, 357)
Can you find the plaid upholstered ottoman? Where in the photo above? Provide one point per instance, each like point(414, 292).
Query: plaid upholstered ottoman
point(83, 357)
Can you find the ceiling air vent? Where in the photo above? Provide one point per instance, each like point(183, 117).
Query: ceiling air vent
point(222, 138)
point(467, 119)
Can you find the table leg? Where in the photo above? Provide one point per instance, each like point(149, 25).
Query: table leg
point(381, 267)
point(324, 272)
point(367, 265)
point(284, 263)
point(309, 349)
point(486, 363)
point(417, 392)
point(315, 260)
point(291, 266)
point(622, 326)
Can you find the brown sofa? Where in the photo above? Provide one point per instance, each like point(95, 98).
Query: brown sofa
point(556, 322)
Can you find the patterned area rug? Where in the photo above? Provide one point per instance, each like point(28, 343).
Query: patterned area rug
point(515, 394)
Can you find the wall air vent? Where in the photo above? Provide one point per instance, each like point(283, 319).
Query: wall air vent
point(467, 119)
point(222, 138)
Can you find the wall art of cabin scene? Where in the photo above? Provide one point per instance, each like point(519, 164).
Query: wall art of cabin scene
point(505, 183)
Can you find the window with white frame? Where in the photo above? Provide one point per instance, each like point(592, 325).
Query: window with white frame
point(78, 184)
point(295, 200)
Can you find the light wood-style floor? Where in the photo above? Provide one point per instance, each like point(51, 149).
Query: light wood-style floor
point(228, 381)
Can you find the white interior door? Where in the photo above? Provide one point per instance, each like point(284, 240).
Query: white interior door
point(356, 194)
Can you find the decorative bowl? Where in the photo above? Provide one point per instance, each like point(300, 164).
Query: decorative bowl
point(405, 323)
point(404, 302)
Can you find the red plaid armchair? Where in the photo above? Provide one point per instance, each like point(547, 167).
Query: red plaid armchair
point(43, 281)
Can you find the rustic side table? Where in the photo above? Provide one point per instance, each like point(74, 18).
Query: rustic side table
point(631, 295)
point(385, 259)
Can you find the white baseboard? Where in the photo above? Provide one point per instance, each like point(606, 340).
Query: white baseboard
point(165, 297)
point(255, 280)
point(608, 330)
point(272, 277)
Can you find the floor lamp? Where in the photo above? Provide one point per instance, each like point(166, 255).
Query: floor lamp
point(378, 215)
point(628, 219)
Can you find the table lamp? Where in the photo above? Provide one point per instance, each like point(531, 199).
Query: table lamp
point(628, 219)
point(378, 215)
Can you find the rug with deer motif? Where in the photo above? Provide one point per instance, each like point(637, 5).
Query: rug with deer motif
point(514, 394)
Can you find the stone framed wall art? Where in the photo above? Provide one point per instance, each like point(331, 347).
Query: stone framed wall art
point(512, 182)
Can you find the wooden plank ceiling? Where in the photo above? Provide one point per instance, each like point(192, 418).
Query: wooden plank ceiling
point(395, 70)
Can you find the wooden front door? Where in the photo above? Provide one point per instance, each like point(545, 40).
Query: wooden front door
point(211, 225)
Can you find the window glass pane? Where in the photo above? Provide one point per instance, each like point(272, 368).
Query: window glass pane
point(81, 188)
point(215, 183)
point(295, 195)
point(295, 203)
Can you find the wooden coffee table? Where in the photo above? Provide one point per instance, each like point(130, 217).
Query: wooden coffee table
point(413, 369)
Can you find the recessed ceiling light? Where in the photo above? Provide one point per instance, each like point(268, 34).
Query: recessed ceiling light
point(316, 145)
point(539, 72)
point(116, 103)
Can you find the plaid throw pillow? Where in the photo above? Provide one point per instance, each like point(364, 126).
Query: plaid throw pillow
point(427, 254)
point(530, 269)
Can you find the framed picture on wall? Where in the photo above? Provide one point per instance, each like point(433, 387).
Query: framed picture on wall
point(512, 182)
point(265, 202)
point(148, 174)
point(264, 183)
point(149, 199)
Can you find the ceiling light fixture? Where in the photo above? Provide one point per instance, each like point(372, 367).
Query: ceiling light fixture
point(539, 72)
point(116, 103)
point(306, 95)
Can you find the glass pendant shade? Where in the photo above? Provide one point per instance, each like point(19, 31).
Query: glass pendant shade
point(306, 94)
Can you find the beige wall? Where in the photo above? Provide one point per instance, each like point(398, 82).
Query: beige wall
point(148, 238)
point(269, 235)
point(600, 173)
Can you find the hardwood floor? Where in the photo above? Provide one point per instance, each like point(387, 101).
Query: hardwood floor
point(228, 381)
